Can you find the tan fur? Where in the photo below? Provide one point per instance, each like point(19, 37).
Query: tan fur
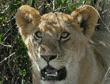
point(84, 65)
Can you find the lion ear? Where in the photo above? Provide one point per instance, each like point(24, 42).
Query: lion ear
point(27, 18)
point(86, 17)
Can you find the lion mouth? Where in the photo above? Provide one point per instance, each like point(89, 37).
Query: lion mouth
point(51, 74)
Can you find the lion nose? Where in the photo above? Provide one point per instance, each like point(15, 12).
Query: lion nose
point(48, 57)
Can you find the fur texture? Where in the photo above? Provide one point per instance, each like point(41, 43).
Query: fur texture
point(64, 39)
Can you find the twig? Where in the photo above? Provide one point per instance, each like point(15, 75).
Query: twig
point(5, 45)
point(53, 5)
point(7, 57)
point(106, 75)
point(10, 26)
point(6, 37)
point(6, 33)
point(59, 8)
point(103, 21)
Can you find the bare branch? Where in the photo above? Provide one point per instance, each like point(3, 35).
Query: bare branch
point(106, 76)
point(5, 45)
point(53, 5)
point(59, 8)
point(7, 57)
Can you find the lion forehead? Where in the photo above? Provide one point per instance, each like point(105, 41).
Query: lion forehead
point(56, 22)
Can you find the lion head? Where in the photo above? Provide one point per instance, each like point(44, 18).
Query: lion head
point(58, 44)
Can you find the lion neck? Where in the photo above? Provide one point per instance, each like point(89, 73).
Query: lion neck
point(89, 69)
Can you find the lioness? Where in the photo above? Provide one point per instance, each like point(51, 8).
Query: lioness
point(58, 46)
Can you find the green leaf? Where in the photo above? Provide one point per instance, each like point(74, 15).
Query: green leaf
point(22, 72)
point(19, 64)
point(79, 4)
point(59, 2)
point(36, 1)
point(1, 18)
point(90, 2)
point(13, 8)
point(105, 1)
point(70, 8)
point(15, 42)
point(1, 82)
point(19, 2)
point(6, 20)
point(65, 2)
point(30, 2)
point(0, 40)
point(1, 37)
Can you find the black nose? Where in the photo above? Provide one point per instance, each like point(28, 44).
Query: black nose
point(48, 57)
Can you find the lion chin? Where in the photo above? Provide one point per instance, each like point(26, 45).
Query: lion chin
point(58, 46)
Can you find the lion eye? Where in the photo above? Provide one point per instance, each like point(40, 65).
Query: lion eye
point(65, 35)
point(38, 34)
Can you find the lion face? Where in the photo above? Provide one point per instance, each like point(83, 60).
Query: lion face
point(53, 44)
point(56, 42)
